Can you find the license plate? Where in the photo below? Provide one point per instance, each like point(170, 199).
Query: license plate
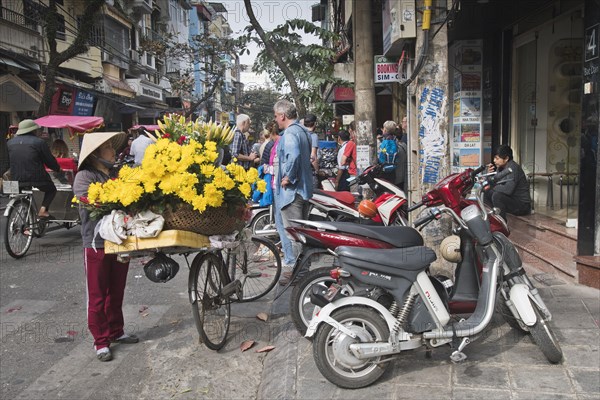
point(10, 187)
point(332, 291)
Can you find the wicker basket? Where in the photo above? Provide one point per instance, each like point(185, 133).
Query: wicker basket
point(213, 221)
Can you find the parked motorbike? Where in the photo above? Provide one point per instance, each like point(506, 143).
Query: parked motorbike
point(341, 206)
point(321, 238)
point(355, 337)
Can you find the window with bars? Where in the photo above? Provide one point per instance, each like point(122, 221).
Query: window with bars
point(96, 35)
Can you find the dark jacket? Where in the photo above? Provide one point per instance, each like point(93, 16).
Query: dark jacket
point(514, 184)
point(83, 180)
point(28, 154)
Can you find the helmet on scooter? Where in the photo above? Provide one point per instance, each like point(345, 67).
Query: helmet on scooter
point(450, 249)
point(367, 209)
point(161, 268)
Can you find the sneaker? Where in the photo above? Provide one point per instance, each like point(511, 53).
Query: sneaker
point(126, 339)
point(104, 354)
point(287, 275)
point(285, 278)
point(262, 254)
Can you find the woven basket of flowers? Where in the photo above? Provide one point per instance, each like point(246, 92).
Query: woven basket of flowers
point(182, 179)
point(213, 221)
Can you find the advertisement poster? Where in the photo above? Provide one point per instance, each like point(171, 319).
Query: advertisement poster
point(362, 156)
point(468, 112)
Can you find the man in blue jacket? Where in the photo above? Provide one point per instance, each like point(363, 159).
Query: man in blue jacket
point(294, 187)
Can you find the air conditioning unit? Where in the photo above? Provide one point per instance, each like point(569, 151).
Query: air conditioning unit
point(399, 23)
point(107, 57)
point(134, 55)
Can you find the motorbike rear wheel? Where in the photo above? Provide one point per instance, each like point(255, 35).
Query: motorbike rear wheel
point(332, 353)
point(302, 310)
point(543, 336)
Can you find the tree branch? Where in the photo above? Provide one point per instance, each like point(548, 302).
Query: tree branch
point(277, 59)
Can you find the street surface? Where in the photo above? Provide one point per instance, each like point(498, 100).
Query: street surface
point(46, 350)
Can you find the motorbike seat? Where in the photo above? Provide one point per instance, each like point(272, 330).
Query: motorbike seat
point(344, 197)
point(397, 236)
point(413, 259)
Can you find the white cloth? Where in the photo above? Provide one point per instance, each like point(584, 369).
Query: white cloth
point(145, 224)
point(112, 227)
point(222, 241)
point(138, 148)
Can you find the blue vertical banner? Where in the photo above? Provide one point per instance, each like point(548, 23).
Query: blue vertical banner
point(431, 133)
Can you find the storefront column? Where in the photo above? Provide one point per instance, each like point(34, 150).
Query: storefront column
point(588, 235)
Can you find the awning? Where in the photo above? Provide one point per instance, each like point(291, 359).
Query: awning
point(17, 95)
point(73, 123)
point(74, 82)
point(117, 84)
point(129, 108)
point(10, 63)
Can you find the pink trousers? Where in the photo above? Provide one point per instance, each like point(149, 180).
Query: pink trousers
point(106, 279)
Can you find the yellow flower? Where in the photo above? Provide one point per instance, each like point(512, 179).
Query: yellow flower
point(187, 171)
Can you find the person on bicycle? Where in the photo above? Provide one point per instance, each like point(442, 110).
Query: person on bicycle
point(28, 154)
point(106, 276)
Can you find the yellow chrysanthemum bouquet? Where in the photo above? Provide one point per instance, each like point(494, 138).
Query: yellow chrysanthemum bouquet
point(180, 169)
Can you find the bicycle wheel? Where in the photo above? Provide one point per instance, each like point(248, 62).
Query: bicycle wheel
point(263, 221)
point(257, 265)
point(19, 229)
point(212, 312)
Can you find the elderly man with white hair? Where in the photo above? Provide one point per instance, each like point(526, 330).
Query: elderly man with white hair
point(240, 148)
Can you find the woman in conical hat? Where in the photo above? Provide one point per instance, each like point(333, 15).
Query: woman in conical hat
point(106, 277)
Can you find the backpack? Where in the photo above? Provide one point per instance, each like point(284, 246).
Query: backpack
point(387, 154)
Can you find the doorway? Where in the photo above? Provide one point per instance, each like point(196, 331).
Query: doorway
point(546, 113)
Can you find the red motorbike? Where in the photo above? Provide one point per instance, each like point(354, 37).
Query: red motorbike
point(321, 238)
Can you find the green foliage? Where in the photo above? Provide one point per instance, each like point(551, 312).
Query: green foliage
point(311, 64)
point(258, 104)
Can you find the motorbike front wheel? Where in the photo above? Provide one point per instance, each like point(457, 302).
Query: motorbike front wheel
point(331, 348)
point(543, 336)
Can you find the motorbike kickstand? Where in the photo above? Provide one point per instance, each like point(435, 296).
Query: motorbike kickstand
point(458, 356)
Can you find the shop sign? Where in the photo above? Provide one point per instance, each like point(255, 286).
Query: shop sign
point(385, 70)
point(65, 99)
point(84, 103)
point(343, 94)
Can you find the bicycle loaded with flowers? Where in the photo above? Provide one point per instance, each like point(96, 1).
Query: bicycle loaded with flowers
point(181, 178)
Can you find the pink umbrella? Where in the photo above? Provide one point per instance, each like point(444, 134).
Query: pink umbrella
point(74, 124)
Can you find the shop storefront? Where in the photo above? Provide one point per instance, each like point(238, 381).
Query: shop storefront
point(518, 74)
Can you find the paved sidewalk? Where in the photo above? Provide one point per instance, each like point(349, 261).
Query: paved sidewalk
point(504, 364)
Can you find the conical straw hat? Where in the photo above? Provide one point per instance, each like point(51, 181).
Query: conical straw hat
point(91, 141)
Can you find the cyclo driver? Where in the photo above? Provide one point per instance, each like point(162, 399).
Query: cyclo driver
point(28, 154)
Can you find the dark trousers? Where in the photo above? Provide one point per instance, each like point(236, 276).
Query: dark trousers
point(106, 279)
point(343, 184)
point(507, 204)
point(45, 186)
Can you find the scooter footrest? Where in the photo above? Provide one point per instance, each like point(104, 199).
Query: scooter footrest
point(458, 356)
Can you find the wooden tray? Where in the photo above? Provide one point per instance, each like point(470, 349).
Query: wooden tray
point(168, 242)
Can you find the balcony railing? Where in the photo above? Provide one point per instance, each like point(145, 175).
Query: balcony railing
point(19, 19)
